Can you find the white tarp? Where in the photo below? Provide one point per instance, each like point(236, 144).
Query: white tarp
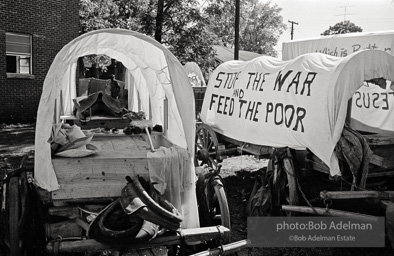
point(340, 45)
point(156, 74)
point(371, 105)
point(300, 103)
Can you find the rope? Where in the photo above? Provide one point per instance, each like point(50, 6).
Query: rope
point(221, 238)
point(305, 198)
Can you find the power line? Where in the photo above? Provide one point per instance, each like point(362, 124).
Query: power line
point(300, 32)
point(345, 13)
point(292, 28)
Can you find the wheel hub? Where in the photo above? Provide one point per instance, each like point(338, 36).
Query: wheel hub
point(203, 154)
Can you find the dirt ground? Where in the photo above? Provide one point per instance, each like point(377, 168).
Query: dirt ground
point(239, 175)
point(16, 141)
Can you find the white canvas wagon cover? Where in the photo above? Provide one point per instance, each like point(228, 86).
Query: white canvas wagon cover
point(156, 74)
point(299, 103)
point(372, 104)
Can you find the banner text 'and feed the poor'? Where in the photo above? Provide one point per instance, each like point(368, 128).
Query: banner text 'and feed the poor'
point(280, 103)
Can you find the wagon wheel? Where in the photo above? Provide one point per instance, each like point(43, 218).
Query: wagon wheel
point(13, 203)
point(285, 186)
point(219, 210)
point(206, 146)
point(16, 213)
point(212, 203)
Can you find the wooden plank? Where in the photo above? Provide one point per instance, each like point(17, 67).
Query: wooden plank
point(93, 245)
point(98, 169)
point(69, 212)
point(120, 147)
point(55, 113)
point(380, 138)
point(61, 103)
point(257, 150)
point(159, 140)
point(380, 173)
point(97, 121)
point(382, 162)
point(356, 194)
point(83, 224)
point(117, 157)
point(96, 189)
point(228, 249)
point(376, 160)
point(165, 128)
point(188, 236)
point(64, 229)
point(329, 212)
point(195, 235)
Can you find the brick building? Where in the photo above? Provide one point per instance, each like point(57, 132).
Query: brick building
point(31, 34)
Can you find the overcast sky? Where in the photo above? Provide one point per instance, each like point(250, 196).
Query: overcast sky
point(315, 16)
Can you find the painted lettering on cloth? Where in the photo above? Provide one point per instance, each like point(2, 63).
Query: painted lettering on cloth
point(269, 102)
point(246, 97)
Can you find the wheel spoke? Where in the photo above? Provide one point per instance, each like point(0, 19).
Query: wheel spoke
point(199, 146)
point(200, 138)
point(211, 144)
point(205, 138)
point(213, 162)
point(206, 145)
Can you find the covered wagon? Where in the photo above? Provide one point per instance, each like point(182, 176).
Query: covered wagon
point(104, 183)
point(297, 111)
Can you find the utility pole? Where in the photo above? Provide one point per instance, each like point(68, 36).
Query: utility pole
point(345, 13)
point(236, 41)
point(292, 28)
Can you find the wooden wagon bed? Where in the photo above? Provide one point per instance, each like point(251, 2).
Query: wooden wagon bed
point(102, 175)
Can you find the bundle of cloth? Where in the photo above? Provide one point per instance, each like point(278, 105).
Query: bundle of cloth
point(70, 141)
point(98, 103)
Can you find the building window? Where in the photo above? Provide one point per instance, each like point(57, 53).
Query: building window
point(18, 51)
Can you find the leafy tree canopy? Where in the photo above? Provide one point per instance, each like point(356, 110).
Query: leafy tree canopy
point(260, 24)
point(186, 27)
point(343, 27)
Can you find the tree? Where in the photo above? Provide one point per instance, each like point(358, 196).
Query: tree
point(260, 24)
point(176, 24)
point(188, 30)
point(262, 28)
point(95, 15)
point(343, 27)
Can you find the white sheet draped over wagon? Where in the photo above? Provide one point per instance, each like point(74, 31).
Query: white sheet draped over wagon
point(372, 103)
point(299, 103)
point(157, 76)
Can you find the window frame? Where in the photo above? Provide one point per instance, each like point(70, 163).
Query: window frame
point(18, 56)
